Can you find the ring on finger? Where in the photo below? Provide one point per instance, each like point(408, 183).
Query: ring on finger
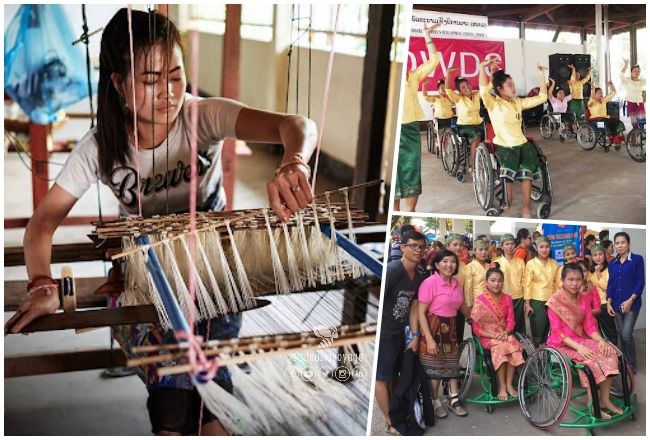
point(296, 189)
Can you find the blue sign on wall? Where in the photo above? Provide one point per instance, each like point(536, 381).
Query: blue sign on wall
point(561, 235)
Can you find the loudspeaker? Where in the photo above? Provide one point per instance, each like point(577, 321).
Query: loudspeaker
point(558, 66)
point(582, 62)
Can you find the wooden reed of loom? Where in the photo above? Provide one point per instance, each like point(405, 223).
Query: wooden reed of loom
point(236, 256)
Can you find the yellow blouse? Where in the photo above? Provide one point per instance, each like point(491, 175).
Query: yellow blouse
point(474, 281)
point(505, 115)
point(442, 106)
point(601, 284)
point(460, 276)
point(599, 109)
point(513, 271)
point(576, 86)
point(540, 281)
point(412, 111)
point(467, 109)
point(633, 89)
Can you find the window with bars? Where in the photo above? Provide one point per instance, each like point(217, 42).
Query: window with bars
point(256, 20)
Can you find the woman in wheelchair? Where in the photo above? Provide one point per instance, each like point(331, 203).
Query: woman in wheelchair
point(493, 322)
point(598, 112)
point(439, 299)
point(442, 105)
point(468, 107)
point(573, 332)
point(518, 158)
point(576, 88)
point(560, 104)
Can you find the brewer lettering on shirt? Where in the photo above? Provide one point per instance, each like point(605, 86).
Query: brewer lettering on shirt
point(123, 179)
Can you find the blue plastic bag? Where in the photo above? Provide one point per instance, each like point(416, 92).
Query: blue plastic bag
point(44, 72)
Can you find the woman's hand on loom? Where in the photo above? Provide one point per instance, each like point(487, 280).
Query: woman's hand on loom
point(42, 301)
point(289, 191)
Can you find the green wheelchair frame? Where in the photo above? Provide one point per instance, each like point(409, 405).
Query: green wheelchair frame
point(471, 353)
point(546, 392)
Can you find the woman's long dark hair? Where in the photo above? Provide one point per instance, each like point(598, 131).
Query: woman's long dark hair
point(498, 79)
point(113, 119)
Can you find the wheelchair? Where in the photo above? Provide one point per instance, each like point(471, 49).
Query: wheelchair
point(552, 123)
point(635, 142)
point(489, 187)
point(594, 132)
point(454, 152)
point(475, 360)
point(546, 393)
point(434, 135)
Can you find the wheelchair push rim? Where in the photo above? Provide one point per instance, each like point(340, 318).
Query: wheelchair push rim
point(635, 145)
point(545, 388)
point(586, 137)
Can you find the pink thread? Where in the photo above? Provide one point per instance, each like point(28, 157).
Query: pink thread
point(328, 80)
point(202, 367)
point(135, 112)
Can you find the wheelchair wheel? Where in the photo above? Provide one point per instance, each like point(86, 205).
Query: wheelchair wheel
point(467, 363)
point(617, 382)
point(484, 177)
point(586, 136)
point(544, 210)
point(460, 176)
point(529, 348)
point(547, 126)
point(545, 388)
point(635, 144)
point(448, 152)
point(431, 137)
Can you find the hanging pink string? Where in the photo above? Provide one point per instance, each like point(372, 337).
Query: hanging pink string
point(194, 127)
point(135, 112)
point(328, 81)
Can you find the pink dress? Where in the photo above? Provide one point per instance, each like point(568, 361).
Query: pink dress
point(593, 298)
point(577, 323)
point(496, 317)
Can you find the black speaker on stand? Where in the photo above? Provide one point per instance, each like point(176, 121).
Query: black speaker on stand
point(582, 63)
point(558, 66)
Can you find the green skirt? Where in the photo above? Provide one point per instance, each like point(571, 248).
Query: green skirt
point(577, 106)
point(408, 181)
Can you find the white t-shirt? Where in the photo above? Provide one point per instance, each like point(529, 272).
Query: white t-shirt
point(167, 181)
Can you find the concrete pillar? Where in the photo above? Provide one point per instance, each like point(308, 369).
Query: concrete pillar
point(633, 44)
point(482, 227)
point(600, 56)
point(458, 226)
point(522, 29)
point(606, 37)
point(442, 229)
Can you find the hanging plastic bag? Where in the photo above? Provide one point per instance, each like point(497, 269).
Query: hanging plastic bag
point(44, 72)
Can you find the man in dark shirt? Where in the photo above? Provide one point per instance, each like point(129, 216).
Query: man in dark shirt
point(403, 279)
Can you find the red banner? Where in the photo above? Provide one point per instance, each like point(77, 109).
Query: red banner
point(466, 54)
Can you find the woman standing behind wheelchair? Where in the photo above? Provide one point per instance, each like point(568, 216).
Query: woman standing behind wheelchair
point(468, 107)
point(573, 332)
point(474, 283)
point(493, 322)
point(598, 112)
point(599, 277)
point(439, 299)
point(634, 87)
point(518, 159)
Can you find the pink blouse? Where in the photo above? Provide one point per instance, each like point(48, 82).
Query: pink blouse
point(593, 297)
point(559, 330)
point(510, 317)
point(444, 298)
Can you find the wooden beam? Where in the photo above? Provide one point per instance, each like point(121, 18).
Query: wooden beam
point(230, 89)
point(40, 139)
point(14, 293)
point(540, 10)
point(374, 101)
point(48, 363)
point(14, 223)
point(61, 253)
point(557, 33)
point(101, 318)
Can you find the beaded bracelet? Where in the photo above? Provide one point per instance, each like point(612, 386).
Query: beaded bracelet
point(280, 169)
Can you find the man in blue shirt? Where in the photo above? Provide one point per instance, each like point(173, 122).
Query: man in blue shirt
point(624, 289)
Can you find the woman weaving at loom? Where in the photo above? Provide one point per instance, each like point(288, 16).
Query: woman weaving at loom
point(142, 85)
